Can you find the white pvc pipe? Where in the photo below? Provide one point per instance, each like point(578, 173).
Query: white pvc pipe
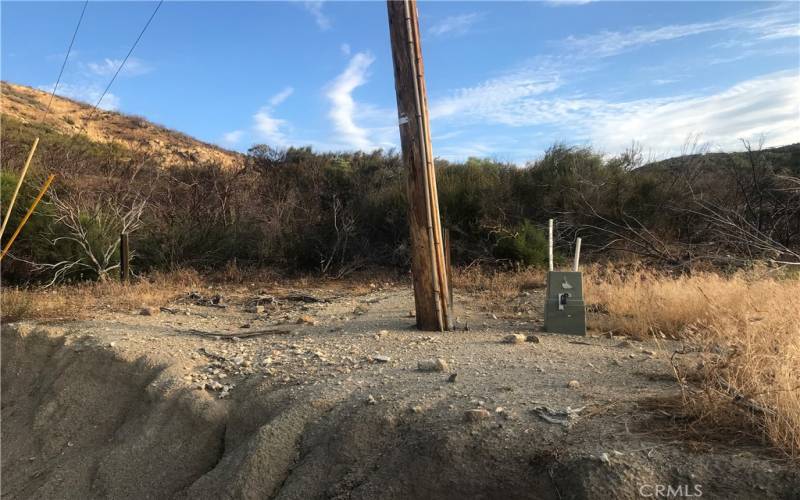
point(577, 254)
point(550, 244)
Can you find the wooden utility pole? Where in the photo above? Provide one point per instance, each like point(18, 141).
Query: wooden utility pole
point(431, 284)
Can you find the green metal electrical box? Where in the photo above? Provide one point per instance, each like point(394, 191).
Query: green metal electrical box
point(564, 310)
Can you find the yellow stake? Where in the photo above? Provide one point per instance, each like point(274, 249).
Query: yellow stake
point(19, 185)
point(28, 215)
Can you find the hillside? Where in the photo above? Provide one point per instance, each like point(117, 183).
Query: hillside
point(67, 116)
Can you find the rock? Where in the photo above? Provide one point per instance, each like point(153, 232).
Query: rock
point(604, 458)
point(533, 339)
point(494, 316)
point(432, 365)
point(381, 359)
point(149, 311)
point(371, 400)
point(452, 378)
point(625, 343)
point(649, 353)
point(416, 409)
point(412, 314)
point(257, 309)
point(514, 338)
point(306, 320)
point(477, 415)
point(573, 384)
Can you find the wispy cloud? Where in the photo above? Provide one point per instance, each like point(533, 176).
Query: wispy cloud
point(281, 96)
point(232, 138)
point(343, 106)
point(455, 25)
point(766, 24)
point(345, 48)
point(108, 67)
point(315, 8)
point(766, 106)
point(88, 93)
point(487, 98)
point(559, 3)
point(266, 126)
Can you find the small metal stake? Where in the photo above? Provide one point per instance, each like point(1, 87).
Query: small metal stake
point(124, 258)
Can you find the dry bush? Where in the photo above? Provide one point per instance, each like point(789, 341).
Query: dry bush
point(746, 327)
point(18, 304)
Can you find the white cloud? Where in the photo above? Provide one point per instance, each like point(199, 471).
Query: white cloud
point(765, 24)
point(559, 3)
point(768, 105)
point(315, 8)
point(281, 96)
point(88, 93)
point(232, 138)
point(107, 67)
point(343, 107)
point(269, 128)
point(455, 25)
point(496, 94)
point(345, 48)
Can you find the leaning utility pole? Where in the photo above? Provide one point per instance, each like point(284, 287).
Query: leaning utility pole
point(431, 285)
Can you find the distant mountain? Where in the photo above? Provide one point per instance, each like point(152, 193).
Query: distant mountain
point(67, 116)
point(786, 158)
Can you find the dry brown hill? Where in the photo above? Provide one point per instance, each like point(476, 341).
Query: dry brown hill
point(68, 116)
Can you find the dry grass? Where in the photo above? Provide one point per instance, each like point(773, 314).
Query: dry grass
point(497, 286)
point(746, 326)
point(70, 302)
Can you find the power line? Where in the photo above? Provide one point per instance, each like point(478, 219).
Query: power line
point(122, 64)
point(64, 64)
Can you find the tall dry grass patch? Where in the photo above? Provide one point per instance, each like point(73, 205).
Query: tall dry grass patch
point(746, 328)
point(70, 302)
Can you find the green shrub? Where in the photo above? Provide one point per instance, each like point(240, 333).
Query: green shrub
point(525, 244)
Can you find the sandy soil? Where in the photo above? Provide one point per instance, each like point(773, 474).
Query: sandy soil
point(319, 394)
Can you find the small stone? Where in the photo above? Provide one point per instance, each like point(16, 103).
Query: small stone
point(514, 338)
point(573, 384)
point(533, 339)
point(452, 378)
point(649, 353)
point(257, 309)
point(412, 314)
point(432, 365)
point(381, 359)
point(371, 400)
point(416, 409)
point(625, 343)
point(476, 415)
point(149, 311)
point(494, 316)
point(307, 320)
point(604, 458)
point(246, 363)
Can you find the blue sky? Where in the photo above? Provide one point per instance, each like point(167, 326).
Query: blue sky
point(505, 79)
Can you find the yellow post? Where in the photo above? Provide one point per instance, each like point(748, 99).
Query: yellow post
point(19, 185)
point(28, 215)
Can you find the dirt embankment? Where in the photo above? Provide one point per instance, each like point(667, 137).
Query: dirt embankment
point(88, 412)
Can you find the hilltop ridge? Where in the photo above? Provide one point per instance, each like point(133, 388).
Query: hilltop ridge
point(67, 116)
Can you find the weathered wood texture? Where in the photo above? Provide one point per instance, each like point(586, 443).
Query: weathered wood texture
point(431, 286)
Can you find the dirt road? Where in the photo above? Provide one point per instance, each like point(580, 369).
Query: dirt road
point(314, 394)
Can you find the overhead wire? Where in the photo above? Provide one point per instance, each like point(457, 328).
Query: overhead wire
point(64, 64)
